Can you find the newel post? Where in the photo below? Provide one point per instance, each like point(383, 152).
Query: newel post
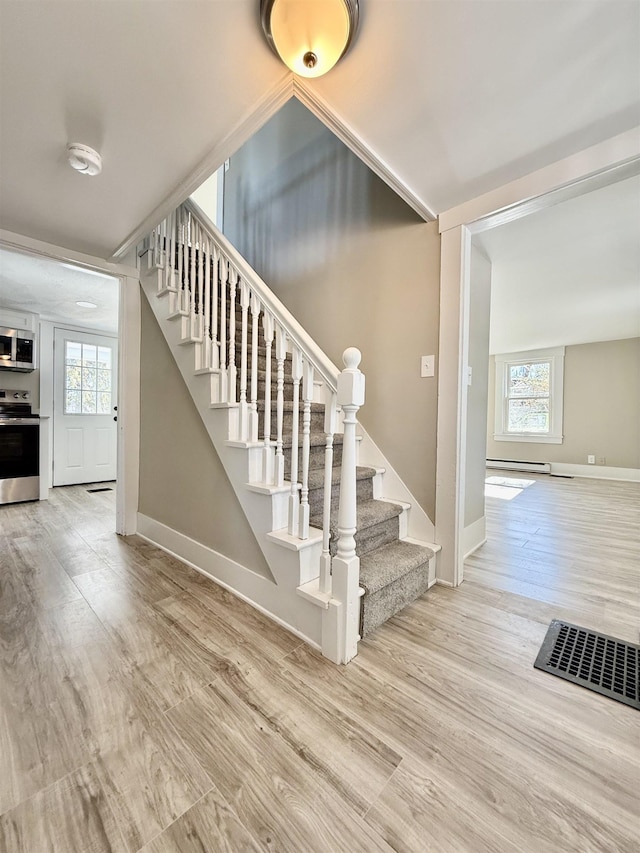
point(345, 567)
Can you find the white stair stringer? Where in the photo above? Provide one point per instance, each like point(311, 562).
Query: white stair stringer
point(291, 561)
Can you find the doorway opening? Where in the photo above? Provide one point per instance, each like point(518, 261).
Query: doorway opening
point(600, 166)
point(74, 312)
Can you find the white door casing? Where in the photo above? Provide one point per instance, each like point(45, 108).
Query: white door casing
point(84, 404)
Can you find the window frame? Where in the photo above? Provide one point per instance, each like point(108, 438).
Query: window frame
point(554, 356)
point(95, 391)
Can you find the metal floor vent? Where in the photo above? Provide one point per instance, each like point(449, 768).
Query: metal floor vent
point(596, 661)
point(104, 489)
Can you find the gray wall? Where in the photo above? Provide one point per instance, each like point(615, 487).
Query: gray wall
point(355, 265)
point(182, 481)
point(478, 391)
point(601, 409)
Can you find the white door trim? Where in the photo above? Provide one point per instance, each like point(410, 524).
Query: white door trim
point(128, 366)
point(616, 159)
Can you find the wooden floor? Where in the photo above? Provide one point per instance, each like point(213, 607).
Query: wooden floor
point(143, 708)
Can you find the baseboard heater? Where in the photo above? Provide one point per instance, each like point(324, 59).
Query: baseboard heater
point(510, 465)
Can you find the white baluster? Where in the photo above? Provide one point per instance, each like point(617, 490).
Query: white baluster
point(253, 406)
point(200, 294)
point(330, 420)
point(281, 354)
point(162, 282)
point(153, 246)
point(244, 408)
point(206, 331)
point(224, 390)
point(169, 269)
point(307, 397)
point(181, 242)
point(215, 352)
point(346, 564)
point(192, 275)
point(232, 372)
point(163, 244)
point(268, 455)
point(294, 497)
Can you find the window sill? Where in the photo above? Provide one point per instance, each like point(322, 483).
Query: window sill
point(530, 439)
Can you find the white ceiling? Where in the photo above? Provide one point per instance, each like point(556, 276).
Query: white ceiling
point(569, 274)
point(51, 289)
point(455, 97)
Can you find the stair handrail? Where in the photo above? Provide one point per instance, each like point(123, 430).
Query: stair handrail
point(297, 334)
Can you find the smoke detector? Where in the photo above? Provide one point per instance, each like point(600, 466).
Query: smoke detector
point(84, 159)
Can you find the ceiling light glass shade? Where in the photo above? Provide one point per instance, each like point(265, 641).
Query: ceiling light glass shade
point(310, 36)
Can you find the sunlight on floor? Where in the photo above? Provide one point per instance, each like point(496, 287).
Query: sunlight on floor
point(505, 488)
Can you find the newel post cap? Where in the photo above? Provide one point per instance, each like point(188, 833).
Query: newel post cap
point(351, 380)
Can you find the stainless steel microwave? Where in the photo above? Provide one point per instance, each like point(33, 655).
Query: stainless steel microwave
point(17, 349)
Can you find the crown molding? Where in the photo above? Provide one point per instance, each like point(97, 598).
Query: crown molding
point(327, 115)
point(244, 130)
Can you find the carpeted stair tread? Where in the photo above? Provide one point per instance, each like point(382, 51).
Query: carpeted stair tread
point(368, 514)
point(316, 475)
point(262, 376)
point(288, 406)
point(316, 439)
point(388, 563)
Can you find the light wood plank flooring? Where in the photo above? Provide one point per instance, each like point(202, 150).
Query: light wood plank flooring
point(144, 708)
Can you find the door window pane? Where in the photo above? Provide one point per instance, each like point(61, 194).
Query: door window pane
point(72, 403)
point(89, 355)
point(104, 403)
point(73, 377)
point(104, 358)
point(73, 354)
point(88, 403)
point(104, 380)
point(88, 378)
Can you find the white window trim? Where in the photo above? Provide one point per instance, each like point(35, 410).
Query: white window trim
point(555, 356)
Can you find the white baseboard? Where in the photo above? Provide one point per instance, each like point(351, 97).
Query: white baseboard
point(596, 472)
point(473, 536)
point(254, 589)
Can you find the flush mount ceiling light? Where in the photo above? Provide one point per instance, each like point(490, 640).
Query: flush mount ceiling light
point(310, 36)
point(84, 159)
point(84, 304)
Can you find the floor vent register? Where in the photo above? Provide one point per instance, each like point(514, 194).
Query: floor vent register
point(601, 663)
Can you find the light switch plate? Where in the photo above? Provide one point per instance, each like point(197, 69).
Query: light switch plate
point(428, 365)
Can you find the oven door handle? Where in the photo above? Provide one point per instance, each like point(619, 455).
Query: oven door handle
point(18, 422)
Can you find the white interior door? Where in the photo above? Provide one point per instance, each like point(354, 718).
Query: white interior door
point(84, 407)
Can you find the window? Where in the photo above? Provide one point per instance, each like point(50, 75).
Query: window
point(87, 379)
point(529, 392)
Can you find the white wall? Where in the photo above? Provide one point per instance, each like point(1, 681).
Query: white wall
point(209, 197)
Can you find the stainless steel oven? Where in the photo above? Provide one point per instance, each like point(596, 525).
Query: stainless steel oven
point(19, 448)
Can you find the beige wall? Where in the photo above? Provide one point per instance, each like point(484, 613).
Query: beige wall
point(355, 265)
point(478, 391)
point(182, 481)
point(601, 409)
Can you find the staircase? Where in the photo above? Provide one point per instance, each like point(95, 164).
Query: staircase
point(270, 397)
